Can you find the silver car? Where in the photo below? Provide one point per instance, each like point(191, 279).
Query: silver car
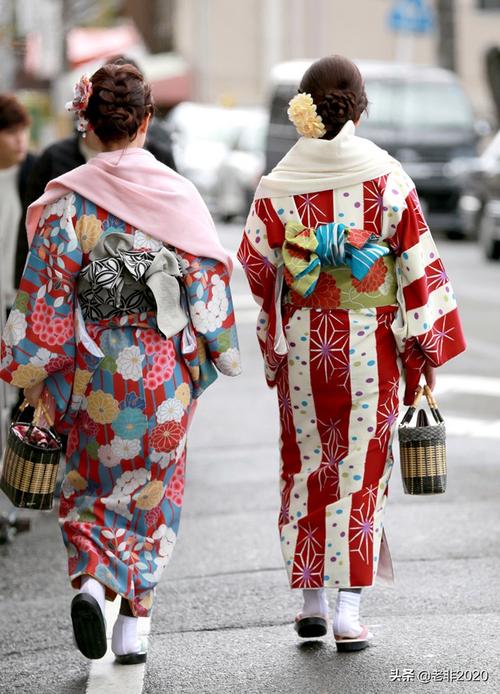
point(241, 169)
point(202, 135)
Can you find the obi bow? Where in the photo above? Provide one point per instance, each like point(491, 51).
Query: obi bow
point(306, 250)
point(115, 265)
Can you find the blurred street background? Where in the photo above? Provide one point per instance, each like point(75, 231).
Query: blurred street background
point(222, 74)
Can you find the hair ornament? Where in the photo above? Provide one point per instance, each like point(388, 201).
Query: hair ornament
point(82, 92)
point(302, 112)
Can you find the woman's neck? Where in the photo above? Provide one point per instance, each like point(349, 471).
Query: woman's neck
point(124, 144)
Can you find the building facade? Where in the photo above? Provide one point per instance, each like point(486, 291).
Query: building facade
point(232, 45)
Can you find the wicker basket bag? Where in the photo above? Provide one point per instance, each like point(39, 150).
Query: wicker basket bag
point(31, 461)
point(423, 449)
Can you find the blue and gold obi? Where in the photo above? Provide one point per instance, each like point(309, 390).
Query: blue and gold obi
point(343, 266)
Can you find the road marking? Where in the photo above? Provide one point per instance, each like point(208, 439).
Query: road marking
point(105, 676)
point(485, 349)
point(472, 428)
point(467, 384)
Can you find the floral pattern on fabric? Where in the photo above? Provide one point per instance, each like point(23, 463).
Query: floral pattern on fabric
point(124, 395)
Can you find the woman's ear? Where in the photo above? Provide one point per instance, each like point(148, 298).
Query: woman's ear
point(145, 123)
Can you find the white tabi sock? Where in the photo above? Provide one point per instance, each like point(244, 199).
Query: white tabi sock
point(315, 602)
point(346, 617)
point(125, 639)
point(92, 587)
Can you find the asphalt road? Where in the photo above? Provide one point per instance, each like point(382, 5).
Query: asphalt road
point(223, 615)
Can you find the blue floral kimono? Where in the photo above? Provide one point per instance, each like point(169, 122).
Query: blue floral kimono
point(125, 333)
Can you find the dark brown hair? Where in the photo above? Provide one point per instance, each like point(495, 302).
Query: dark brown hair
point(120, 101)
point(337, 88)
point(12, 113)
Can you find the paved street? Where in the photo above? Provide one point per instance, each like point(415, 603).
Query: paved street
point(223, 614)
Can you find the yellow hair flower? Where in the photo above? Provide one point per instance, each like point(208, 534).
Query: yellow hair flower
point(302, 113)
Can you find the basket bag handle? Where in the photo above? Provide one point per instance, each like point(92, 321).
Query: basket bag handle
point(41, 411)
point(431, 401)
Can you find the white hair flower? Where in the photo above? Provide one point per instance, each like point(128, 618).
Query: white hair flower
point(302, 113)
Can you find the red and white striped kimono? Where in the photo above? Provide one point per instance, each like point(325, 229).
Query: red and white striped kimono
point(335, 357)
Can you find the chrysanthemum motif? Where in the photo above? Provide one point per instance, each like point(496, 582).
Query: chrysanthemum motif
point(302, 113)
point(170, 410)
point(374, 279)
point(15, 328)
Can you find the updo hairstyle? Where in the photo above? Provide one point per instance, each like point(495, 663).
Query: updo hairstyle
point(120, 101)
point(337, 88)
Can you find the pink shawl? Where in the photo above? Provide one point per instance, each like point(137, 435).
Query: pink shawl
point(136, 188)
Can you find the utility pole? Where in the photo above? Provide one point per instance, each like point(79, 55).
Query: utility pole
point(155, 21)
point(446, 33)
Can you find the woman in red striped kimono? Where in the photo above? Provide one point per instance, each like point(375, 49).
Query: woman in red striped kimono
point(353, 296)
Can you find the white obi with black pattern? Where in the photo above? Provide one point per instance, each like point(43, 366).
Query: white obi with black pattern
point(120, 280)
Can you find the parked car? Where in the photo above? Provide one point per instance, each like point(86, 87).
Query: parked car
point(489, 228)
point(242, 168)
point(202, 135)
point(420, 115)
point(479, 180)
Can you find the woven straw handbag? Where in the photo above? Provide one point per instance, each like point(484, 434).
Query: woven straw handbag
point(31, 461)
point(423, 449)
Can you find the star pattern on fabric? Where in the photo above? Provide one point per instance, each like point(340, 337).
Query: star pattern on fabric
point(413, 353)
point(335, 446)
point(361, 532)
point(385, 319)
point(329, 348)
point(394, 387)
point(436, 277)
point(308, 566)
point(257, 268)
point(265, 210)
point(309, 210)
point(373, 203)
point(334, 449)
point(387, 416)
point(371, 493)
point(434, 341)
point(328, 476)
point(414, 203)
point(284, 515)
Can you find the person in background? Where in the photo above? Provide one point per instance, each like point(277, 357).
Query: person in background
point(64, 155)
point(15, 165)
point(351, 287)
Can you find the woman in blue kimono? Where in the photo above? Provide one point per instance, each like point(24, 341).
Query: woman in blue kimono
point(124, 307)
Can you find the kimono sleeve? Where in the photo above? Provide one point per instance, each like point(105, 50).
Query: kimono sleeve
point(38, 342)
point(260, 255)
point(427, 328)
point(210, 308)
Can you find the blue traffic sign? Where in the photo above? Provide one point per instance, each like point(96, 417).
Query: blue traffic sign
point(412, 16)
